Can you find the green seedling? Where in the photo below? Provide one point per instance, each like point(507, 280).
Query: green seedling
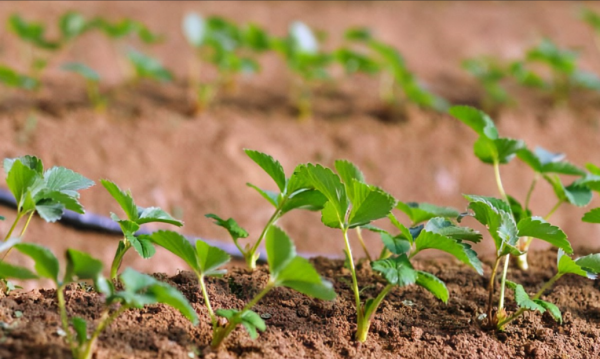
point(138, 291)
point(351, 203)
point(285, 267)
point(510, 224)
point(306, 61)
point(231, 50)
point(397, 81)
point(490, 73)
point(492, 149)
point(294, 193)
point(11, 78)
point(92, 82)
point(136, 216)
point(126, 28)
point(48, 193)
point(147, 67)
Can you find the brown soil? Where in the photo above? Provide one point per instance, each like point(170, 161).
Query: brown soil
point(410, 323)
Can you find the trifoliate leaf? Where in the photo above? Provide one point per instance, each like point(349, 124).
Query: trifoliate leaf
point(124, 199)
point(537, 227)
point(433, 284)
point(462, 251)
point(396, 270)
point(501, 150)
point(370, 203)
point(141, 245)
point(270, 165)
point(249, 319)
point(235, 231)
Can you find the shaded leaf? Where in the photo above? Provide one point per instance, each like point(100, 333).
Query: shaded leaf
point(537, 227)
point(211, 258)
point(80, 326)
point(46, 264)
point(396, 270)
point(124, 199)
point(370, 203)
point(330, 185)
point(566, 264)
point(433, 284)
point(551, 308)
point(308, 199)
point(82, 266)
point(9, 271)
point(462, 251)
point(141, 245)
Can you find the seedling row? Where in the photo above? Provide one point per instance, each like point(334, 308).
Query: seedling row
point(346, 202)
point(225, 51)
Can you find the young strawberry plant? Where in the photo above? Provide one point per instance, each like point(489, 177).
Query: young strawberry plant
point(397, 81)
point(230, 49)
point(490, 73)
point(138, 291)
point(285, 267)
point(136, 216)
point(306, 61)
point(92, 83)
point(294, 193)
point(48, 193)
point(351, 203)
point(511, 225)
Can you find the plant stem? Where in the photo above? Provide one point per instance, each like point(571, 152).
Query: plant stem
point(211, 313)
point(60, 296)
point(353, 272)
point(14, 225)
point(362, 243)
point(250, 255)
point(362, 330)
point(105, 321)
point(220, 333)
point(530, 191)
point(114, 268)
point(491, 290)
point(503, 283)
point(556, 206)
point(545, 287)
point(499, 183)
point(12, 228)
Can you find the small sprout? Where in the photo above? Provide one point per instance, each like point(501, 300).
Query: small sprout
point(293, 193)
point(92, 81)
point(148, 67)
point(136, 216)
point(286, 270)
point(138, 291)
point(11, 78)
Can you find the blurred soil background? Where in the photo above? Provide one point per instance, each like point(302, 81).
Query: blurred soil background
point(192, 165)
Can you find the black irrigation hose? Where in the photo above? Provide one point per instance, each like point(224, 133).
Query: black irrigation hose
point(96, 223)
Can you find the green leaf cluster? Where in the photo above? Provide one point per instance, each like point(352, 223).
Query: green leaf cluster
point(148, 67)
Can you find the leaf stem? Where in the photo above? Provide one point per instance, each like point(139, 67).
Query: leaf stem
point(556, 206)
point(503, 283)
point(362, 243)
point(60, 296)
point(12, 228)
point(116, 263)
point(362, 330)
point(250, 255)
point(516, 314)
point(211, 313)
point(14, 225)
point(499, 182)
point(105, 320)
point(491, 290)
point(530, 191)
point(353, 272)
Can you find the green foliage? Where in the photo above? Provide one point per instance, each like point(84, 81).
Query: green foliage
point(490, 73)
point(249, 319)
point(11, 78)
point(397, 270)
point(31, 32)
point(82, 70)
point(136, 216)
point(421, 212)
point(148, 67)
point(592, 216)
point(125, 27)
point(524, 301)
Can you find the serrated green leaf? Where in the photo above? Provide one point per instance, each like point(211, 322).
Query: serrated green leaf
point(370, 203)
point(330, 185)
point(480, 122)
point(49, 210)
point(127, 226)
point(564, 168)
point(462, 251)
point(80, 326)
point(447, 228)
point(537, 227)
point(235, 231)
point(590, 263)
point(300, 275)
point(530, 158)
point(566, 264)
point(9, 271)
point(397, 244)
point(433, 284)
point(81, 266)
point(66, 181)
point(551, 308)
point(348, 173)
point(272, 197)
point(124, 199)
point(20, 180)
point(575, 193)
point(249, 319)
point(69, 202)
point(178, 245)
point(46, 264)
point(329, 216)
point(141, 245)
point(592, 216)
point(280, 249)
point(522, 298)
point(501, 150)
point(421, 212)
point(309, 199)
point(407, 233)
point(270, 165)
point(155, 214)
point(396, 270)
point(31, 162)
point(211, 258)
